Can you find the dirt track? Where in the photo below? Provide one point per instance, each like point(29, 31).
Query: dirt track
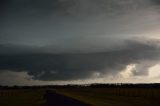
point(55, 99)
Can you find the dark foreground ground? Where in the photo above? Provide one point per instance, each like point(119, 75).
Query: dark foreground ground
point(114, 96)
point(54, 99)
point(99, 95)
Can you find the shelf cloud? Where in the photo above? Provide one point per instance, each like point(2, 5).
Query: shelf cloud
point(64, 40)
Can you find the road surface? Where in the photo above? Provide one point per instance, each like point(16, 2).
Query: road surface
point(54, 99)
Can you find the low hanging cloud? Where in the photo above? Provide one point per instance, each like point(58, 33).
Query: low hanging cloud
point(74, 66)
point(64, 40)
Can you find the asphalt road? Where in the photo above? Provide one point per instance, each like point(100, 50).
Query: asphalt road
point(55, 99)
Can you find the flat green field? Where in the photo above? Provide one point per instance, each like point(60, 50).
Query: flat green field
point(93, 96)
point(21, 97)
point(114, 97)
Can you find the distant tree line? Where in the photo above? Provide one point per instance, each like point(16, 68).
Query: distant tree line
point(116, 85)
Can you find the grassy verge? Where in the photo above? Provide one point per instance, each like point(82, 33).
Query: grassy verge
point(21, 97)
point(103, 97)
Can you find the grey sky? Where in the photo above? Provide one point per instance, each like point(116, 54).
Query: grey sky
point(66, 37)
point(56, 22)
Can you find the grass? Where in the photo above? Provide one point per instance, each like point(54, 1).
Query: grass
point(93, 96)
point(114, 97)
point(21, 97)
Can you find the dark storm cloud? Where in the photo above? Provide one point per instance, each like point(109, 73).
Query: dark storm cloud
point(69, 6)
point(64, 22)
point(156, 2)
point(44, 66)
point(75, 39)
point(27, 9)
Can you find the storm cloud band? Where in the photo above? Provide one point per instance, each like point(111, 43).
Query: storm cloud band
point(73, 66)
point(55, 40)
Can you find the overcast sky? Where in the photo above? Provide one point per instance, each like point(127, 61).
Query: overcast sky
point(79, 41)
